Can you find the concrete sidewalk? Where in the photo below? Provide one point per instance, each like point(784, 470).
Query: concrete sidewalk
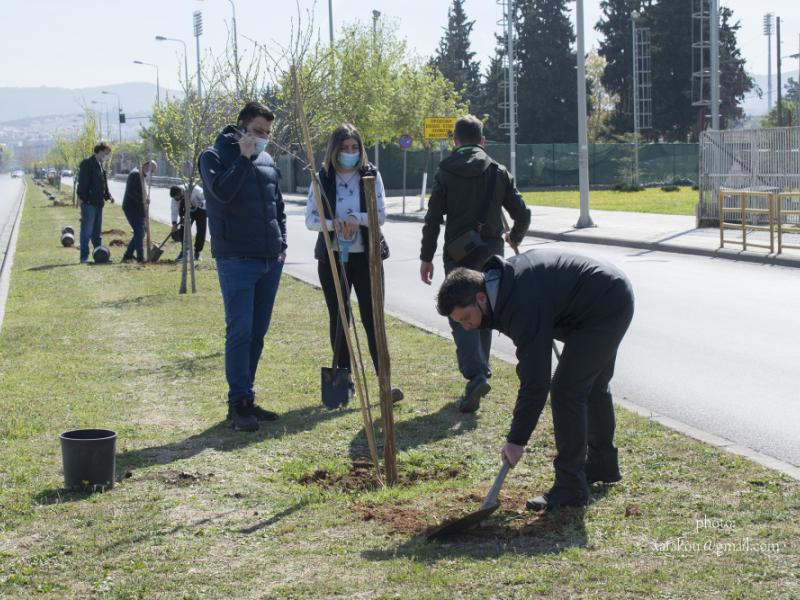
point(645, 231)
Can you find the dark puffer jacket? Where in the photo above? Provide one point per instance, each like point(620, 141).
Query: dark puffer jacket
point(244, 203)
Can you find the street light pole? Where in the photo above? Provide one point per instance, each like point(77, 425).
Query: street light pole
point(713, 24)
point(330, 20)
point(119, 111)
point(161, 38)
point(376, 14)
point(584, 220)
point(512, 93)
point(197, 18)
point(634, 17)
point(158, 85)
point(768, 33)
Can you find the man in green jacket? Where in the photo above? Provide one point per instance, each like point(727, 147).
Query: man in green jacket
point(471, 189)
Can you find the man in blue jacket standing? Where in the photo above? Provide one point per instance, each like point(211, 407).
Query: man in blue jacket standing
point(248, 241)
point(92, 195)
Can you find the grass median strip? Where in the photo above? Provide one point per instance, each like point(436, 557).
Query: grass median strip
point(291, 511)
point(649, 200)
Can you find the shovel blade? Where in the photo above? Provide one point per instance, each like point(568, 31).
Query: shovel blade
point(334, 386)
point(456, 526)
point(155, 253)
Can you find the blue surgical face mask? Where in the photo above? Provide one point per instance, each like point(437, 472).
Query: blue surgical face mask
point(348, 160)
point(261, 144)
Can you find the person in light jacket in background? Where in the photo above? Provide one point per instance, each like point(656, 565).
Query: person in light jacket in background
point(341, 182)
point(198, 216)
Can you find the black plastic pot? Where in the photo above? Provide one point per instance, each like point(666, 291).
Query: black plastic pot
point(101, 254)
point(67, 239)
point(89, 458)
point(67, 229)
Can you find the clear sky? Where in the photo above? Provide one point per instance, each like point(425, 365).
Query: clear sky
point(78, 43)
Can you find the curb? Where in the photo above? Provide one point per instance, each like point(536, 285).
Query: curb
point(8, 255)
point(577, 238)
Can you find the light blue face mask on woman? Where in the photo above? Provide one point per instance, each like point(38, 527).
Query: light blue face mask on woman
point(348, 160)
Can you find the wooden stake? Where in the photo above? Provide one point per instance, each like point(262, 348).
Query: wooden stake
point(384, 364)
point(309, 150)
point(146, 202)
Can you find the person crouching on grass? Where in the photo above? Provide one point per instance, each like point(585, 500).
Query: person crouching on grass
point(534, 298)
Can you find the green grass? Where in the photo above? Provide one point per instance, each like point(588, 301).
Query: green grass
point(209, 513)
point(649, 200)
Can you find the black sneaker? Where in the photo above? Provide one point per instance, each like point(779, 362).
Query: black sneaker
point(196, 257)
point(476, 389)
point(262, 414)
point(544, 502)
point(241, 418)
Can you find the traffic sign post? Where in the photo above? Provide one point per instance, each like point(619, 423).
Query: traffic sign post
point(405, 144)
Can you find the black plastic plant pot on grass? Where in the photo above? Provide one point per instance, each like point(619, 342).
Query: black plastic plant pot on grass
point(89, 457)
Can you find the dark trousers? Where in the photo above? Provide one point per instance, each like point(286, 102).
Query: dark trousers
point(357, 274)
point(580, 396)
point(136, 245)
point(472, 347)
point(249, 287)
point(199, 217)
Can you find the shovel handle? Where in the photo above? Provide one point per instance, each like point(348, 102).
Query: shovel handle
point(494, 492)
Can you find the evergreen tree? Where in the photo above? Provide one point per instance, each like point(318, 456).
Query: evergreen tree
point(547, 86)
point(734, 80)
point(454, 58)
point(492, 94)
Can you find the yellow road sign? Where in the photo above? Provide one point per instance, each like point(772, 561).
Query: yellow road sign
point(439, 128)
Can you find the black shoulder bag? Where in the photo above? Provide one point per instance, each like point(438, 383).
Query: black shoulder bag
point(469, 249)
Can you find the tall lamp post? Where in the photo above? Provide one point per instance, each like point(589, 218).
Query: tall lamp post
point(235, 43)
point(119, 111)
point(161, 38)
point(158, 85)
point(330, 20)
point(634, 18)
point(768, 32)
point(197, 20)
point(584, 220)
point(108, 125)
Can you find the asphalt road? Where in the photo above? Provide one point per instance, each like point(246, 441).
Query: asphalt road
point(713, 343)
point(9, 192)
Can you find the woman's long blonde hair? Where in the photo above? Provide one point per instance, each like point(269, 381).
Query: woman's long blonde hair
point(343, 132)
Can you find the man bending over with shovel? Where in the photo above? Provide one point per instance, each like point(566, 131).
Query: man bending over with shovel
point(534, 298)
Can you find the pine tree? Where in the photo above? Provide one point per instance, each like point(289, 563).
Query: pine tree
point(454, 58)
point(547, 86)
point(493, 94)
point(734, 80)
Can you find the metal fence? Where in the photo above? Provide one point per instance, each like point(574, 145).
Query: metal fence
point(538, 165)
point(759, 160)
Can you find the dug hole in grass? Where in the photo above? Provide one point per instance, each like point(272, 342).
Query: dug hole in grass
point(291, 511)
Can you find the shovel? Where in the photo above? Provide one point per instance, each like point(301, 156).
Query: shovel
point(156, 251)
point(454, 526)
point(334, 381)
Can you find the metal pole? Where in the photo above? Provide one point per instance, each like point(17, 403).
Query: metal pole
point(768, 33)
point(584, 220)
point(330, 20)
point(235, 44)
point(512, 97)
point(375, 16)
point(198, 31)
point(713, 24)
point(635, 16)
point(780, 83)
point(119, 119)
point(405, 159)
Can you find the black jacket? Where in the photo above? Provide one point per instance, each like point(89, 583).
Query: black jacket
point(543, 295)
point(133, 201)
point(244, 203)
point(92, 182)
point(328, 183)
point(459, 191)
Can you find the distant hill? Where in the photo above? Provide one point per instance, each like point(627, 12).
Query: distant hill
point(757, 107)
point(30, 103)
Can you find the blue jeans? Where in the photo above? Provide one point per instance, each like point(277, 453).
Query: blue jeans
point(248, 287)
point(136, 245)
point(91, 226)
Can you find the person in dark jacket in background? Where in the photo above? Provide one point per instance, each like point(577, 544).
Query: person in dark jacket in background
point(534, 298)
point(92, 194)
point(344, 165)
point(134, 207)
point(248, 240)
point(460, 193)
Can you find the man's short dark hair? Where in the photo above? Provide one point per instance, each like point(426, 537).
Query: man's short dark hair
point(252, 110)
point(175, 191)
point(459, 290)
point(468, 129)
point(102, 147)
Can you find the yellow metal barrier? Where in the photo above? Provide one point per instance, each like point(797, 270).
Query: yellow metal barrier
point(788, 228)
point(744, 211)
